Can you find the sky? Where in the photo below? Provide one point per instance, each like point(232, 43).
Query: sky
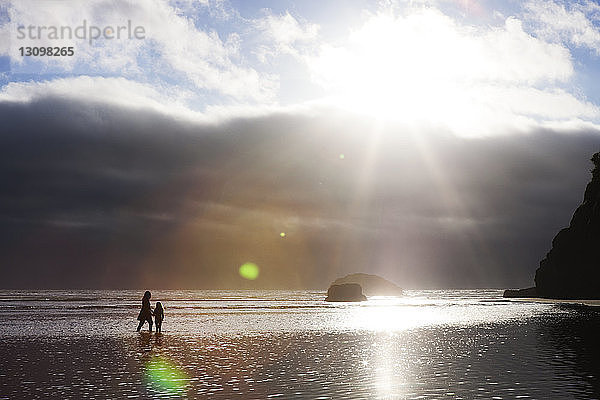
point(437, 143)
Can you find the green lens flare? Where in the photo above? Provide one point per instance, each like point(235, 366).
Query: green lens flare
point(165, 377)
point(282, 234)
point(249, 271)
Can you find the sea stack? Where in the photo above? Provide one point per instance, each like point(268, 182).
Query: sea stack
point(571, 269)
point(372, 285)
point(345, 292)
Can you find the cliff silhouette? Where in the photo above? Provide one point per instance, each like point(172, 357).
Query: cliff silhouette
point(570, 270)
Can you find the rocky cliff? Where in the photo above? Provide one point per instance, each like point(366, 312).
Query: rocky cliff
point(571, 270)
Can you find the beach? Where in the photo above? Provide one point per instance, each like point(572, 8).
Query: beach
point(278, 344)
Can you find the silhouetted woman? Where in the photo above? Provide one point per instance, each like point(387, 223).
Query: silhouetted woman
point(145, 312)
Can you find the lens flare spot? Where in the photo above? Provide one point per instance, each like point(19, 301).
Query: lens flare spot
point(282, 234)
point(249, 271)
point(342, 156)
point(165, 377)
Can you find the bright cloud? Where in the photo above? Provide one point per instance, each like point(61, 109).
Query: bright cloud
point(285, 34)
point(118, 91)
point(426, 66)
point(417, 65)
point(172, 46)
point(430, 46)
point(572, 23)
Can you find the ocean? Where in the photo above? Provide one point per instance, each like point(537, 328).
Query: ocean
point(427, 344)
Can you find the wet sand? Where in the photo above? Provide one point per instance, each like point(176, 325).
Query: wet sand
point(550, 356)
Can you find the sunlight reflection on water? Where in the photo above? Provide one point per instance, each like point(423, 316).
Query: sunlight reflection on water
point(453, 344)
point(243, 312)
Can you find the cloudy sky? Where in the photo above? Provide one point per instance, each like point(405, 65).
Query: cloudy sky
point(436, 143)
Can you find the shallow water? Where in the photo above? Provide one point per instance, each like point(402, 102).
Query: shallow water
point(276, 344)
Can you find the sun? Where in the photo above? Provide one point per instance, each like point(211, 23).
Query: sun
point(421, 67)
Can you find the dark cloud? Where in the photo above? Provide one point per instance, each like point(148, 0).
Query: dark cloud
point(96, 196)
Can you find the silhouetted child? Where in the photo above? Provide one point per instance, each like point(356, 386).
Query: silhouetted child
point(159, 315)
